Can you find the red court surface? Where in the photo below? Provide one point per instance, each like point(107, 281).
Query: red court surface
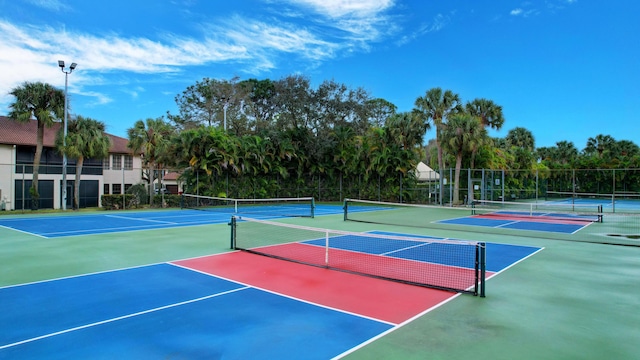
point(422, 272)
point(379, 299)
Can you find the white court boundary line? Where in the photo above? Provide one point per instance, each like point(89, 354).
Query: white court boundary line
point(121, 318)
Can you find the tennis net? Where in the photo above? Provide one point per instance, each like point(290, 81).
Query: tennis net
point(625, 202)
point(539, 210)
point(425, 261)
point(615, 229)
point(295, 207)
point(402, 214)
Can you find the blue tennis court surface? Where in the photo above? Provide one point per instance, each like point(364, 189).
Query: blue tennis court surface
point(110, 222)
point(545, 225)
point(162, 310)
point(499, 256)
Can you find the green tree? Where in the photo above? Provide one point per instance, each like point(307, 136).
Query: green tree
point(490, 115)
point(209, 102)
point(151, 139)
point(46, 104)
point(462, 133)
point(260, 104)
point(522, 138)
point(436, 106)
point(600, 146)
point(566, 153)
point(85, 139)
point(379, 111)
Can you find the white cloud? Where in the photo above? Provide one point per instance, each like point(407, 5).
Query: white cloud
point(30, 52)
point(360, 21)
point(335, 9)
point(54, 5)
point(437, 24)
point(516, 12)
point(98, 98)
point(263, 42)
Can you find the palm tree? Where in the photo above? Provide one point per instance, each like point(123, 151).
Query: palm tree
point(344, 152)
point(85, 140)
point(436, 106)
point(600, 145)
point(490, 115)
point(151, 138)
point(522, 138)
point(566, 153)
point(46, 104)
point(462, 133)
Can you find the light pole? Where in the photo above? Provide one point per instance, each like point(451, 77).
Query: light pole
point(64, 138)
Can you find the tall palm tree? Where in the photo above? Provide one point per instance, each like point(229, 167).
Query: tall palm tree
point(490, 115)
point(85, 140)
point(46, 104)
point(462, 133)
point(435, 106)
point(151, 138)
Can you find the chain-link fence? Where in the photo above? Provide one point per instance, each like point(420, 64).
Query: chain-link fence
point(129, 187)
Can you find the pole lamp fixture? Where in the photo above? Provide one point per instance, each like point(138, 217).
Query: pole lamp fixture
point(64, 138)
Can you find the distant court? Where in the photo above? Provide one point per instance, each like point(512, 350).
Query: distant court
point(125, 221)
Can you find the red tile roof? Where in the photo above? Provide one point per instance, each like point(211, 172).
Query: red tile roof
point(17, 133)
point(171, 176)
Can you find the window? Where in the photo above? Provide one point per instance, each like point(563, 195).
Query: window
point(106, 189)
point(117, 189)
point(117, 162)
point(105, 163)
point(126, 187)
point(128, 162)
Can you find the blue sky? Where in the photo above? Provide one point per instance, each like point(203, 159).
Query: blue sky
point(564, 69)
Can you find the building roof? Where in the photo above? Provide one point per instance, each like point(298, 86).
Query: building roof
point(425, 173)
point(18, 133)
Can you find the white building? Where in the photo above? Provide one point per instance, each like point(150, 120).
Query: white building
point(99, 176)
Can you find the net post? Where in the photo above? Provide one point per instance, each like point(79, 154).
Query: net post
point(483, 267)
point(345, 208)
point(232, 224)
point(600, 213)
point(326, 251)
point(182, 202)
point(313, 207)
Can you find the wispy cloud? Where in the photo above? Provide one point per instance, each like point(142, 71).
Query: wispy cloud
point(530, 9)
point(438, 23)
point(264, 42)
point(524, 12)
point(357, 22)
point(337, 9)
point(31, 54)
point(53, 5)
point(255, 45)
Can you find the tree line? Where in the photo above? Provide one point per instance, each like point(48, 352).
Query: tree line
point(285, 137)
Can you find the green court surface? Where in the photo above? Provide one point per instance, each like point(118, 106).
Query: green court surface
point(576, 299)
